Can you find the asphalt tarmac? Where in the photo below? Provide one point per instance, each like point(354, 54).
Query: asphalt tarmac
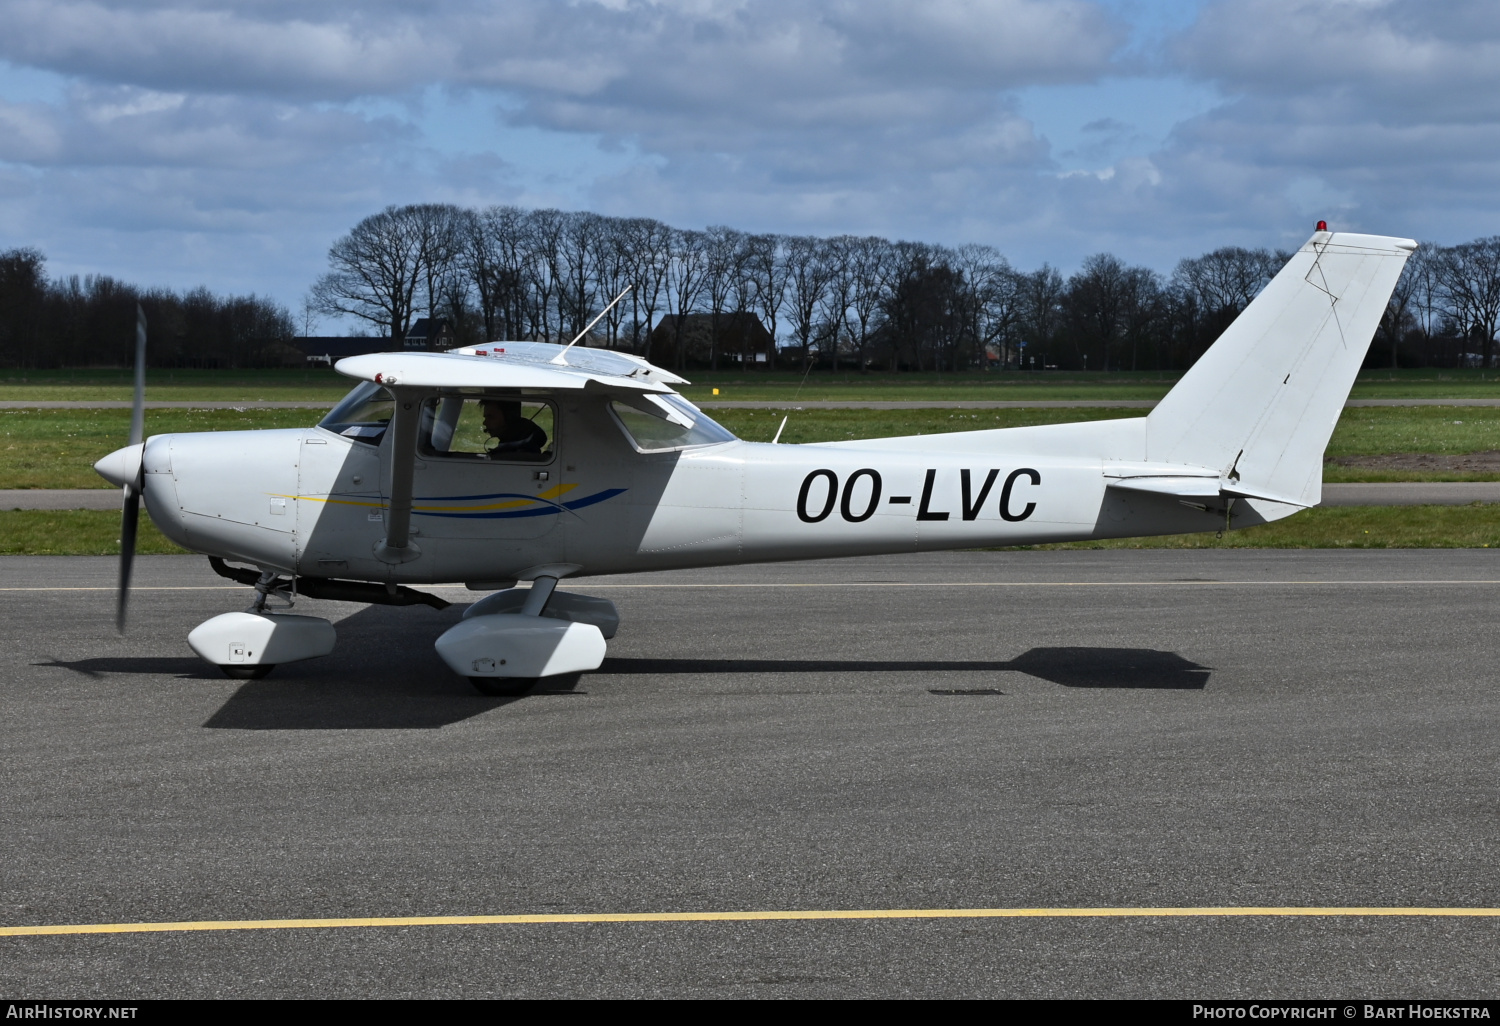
point(967, 730)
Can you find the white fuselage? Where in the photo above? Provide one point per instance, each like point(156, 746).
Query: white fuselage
point(312, 502)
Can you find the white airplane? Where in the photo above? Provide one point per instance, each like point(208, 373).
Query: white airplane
point(527, 462)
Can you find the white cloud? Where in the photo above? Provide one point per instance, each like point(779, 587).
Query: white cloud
point(1386, 112)
point(215, 48)
point(221, 137)
point(135, 127)
point(691, 52)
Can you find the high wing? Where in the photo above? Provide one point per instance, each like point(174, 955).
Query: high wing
point(513, 365)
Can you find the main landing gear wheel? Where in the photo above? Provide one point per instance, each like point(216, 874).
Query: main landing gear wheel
point(247, 672)
point(503, 687)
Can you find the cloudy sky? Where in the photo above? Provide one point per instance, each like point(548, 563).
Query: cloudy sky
point(228, 142)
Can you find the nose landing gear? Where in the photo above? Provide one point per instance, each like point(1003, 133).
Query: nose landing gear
point(249, 645)
point(503, 687)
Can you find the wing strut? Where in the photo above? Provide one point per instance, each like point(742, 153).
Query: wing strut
point(397, 546)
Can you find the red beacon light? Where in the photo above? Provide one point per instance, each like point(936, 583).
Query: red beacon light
point(1322, 226)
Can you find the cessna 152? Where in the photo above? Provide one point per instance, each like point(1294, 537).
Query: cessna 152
point(400, 484)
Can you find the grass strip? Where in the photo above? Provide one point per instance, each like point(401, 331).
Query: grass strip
point(93, 384)
point(58, 448)
point(75, 532)
point(1475, 526)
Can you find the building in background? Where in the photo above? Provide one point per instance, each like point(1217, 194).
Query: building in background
point(741, 340)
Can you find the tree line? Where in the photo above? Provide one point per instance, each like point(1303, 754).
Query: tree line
point(90, 322)
point(842, 302)
point(850, 302)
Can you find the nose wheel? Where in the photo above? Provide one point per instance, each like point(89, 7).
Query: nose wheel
point(252, 672)
point(503, 687)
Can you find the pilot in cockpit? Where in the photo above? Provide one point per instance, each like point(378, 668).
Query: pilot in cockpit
point(515, 437)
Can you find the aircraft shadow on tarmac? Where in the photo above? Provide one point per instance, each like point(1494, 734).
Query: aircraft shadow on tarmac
point(1135, 668)
point(417, 692)
point(164, 666)
point(384, 675)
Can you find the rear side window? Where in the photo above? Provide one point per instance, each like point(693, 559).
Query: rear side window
point(655, 432)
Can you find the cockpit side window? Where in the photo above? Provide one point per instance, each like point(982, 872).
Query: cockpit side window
point(363, 415)
point(496, 429)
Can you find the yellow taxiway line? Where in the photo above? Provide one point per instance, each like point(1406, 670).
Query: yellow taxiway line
point(751, 916)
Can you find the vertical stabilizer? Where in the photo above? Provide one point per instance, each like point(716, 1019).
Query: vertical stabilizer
point(1262, 402)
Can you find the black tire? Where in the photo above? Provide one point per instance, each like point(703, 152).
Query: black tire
point(503, 687)
point(250, 672)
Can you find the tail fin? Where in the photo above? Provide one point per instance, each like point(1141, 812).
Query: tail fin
point(1262, 402)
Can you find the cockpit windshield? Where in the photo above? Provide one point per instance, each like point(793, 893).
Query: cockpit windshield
point(363, 415)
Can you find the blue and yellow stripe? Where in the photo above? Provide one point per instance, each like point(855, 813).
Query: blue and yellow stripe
point(487, 506)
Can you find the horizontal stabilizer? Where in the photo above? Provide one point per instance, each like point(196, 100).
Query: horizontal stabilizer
point(1197, 489)
point(1178, 487)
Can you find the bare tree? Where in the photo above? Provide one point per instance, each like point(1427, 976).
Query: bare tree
point(685, 276)
point(870, 258)
point(722, 257)
point(1040, 296)
point(544, 232)
point(1096, 302)
point(1229, 278)
point(577, 272)
point(1426, 297)
point(841, 267)
point(924, 308)
point(439, 233)
point(307, 314)
point(766, 271)
point(1469, 276)
point(1415, 289)
point(1145, 306)
point(613, 267)
point(806, 281)
point(507, 233)
point(375, 273)
point(479, 261)
point(990, 302)
point(23, 290)
point(648, 246)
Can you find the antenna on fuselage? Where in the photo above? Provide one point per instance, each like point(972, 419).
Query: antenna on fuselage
point(596, 320)
point(780, 429)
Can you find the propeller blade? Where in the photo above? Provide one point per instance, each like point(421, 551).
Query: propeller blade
point(130, 515)
point(130, 511)
point(138, 410)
